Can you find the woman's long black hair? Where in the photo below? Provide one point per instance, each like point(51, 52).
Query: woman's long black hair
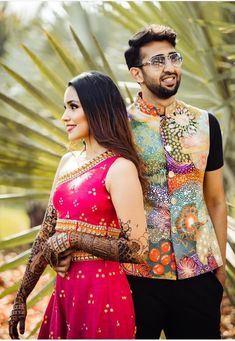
point(107, 117)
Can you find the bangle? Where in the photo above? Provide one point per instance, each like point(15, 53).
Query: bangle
point(77, 226)
point(69, 239)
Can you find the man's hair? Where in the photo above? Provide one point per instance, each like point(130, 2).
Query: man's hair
point(146, 35)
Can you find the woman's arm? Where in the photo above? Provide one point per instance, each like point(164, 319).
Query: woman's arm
point(123, 184)
point(35, 267)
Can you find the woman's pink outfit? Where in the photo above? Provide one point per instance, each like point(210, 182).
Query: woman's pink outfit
point(94, 300)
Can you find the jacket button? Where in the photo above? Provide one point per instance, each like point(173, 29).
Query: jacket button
point(171, 174)
point(173, 201)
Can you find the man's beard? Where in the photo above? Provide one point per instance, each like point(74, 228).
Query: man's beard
point(162, 92)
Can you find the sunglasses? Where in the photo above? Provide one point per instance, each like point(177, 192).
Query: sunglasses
point(160, 60)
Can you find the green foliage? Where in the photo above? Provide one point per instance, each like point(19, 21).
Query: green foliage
point(32, 138)
point(19, 239)
point(17, 220)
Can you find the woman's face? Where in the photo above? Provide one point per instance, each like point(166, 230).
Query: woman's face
point(74, 117)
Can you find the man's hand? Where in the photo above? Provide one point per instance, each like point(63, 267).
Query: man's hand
point(220, 273)
point(64, 262)
point(17, 317)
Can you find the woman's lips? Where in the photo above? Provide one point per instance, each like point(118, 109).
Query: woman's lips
point(70, 127)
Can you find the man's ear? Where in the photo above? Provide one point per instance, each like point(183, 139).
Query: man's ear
point(137, 74)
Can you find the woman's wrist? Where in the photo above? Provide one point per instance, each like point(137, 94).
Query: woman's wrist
point(75, 239)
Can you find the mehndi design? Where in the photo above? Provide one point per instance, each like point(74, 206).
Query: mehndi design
point(35, 267)
point(125, 249)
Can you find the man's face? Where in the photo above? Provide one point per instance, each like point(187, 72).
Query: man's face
point(164, 80)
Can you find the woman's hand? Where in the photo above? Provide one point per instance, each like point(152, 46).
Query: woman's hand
point(64, 262)
point(54, 246)
point(17, 317)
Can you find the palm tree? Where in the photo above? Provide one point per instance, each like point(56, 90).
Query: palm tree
point(30, 158)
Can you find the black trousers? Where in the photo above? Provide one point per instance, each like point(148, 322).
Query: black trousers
point(183, 309)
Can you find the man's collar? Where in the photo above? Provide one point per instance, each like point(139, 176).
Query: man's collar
point(152, 110)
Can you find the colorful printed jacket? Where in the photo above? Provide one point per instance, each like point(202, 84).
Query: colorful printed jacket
point(175, 147)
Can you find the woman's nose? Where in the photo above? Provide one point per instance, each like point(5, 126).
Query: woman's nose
point(65, 116)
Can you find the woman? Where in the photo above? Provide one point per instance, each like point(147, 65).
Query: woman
point(96, 212)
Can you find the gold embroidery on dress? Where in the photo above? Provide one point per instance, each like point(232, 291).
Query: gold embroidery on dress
point(84, 168)
point(82, 255)
point(65, 225)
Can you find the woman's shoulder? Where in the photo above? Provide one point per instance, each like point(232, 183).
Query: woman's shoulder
point(71, 155)
point(68, 162)
point(122, 166)
point(121, 174)
point(68, 155)
point(64, 158)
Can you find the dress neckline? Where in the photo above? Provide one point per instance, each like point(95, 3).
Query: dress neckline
point(85, 166)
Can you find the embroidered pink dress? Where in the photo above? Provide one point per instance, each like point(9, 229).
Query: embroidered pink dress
point(94, 300)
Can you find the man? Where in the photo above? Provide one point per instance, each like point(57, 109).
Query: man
point(179, 289)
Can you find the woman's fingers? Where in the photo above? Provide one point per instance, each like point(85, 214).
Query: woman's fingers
point(22, 326)
point(13, 332)
point(66, 253)
point(62, 274)
point(64, 262)
point(60, 269)
point(63, 265)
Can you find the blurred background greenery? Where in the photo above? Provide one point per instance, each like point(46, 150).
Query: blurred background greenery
point(43, 44)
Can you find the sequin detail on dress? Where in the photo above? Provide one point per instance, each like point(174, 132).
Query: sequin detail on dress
point(174, 147)
point(94, 300)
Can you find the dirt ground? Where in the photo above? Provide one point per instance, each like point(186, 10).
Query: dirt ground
point(35, 314)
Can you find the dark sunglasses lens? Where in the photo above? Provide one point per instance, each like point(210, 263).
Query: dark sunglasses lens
point(158, 60)
point(176, 58)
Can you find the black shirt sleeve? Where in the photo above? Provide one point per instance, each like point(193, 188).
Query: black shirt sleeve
point(215, 157)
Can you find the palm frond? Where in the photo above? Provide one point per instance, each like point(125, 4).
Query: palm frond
point(63, 53)
point(34, 116)
point(49, 75)
point(42, 98)
point(18, 239)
